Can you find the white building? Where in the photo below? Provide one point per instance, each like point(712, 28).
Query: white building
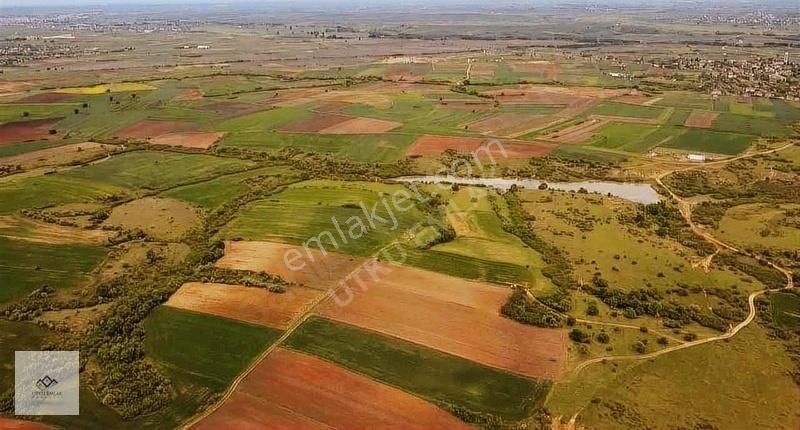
point(696, 158)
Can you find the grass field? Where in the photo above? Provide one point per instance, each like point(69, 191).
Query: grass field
point(214, 193)
point(647, 394)
point(16, 112)
point(662, 135)
point(21, 192)
point(628, 110)
point(16, 336)
point(747, 124)
point(615, 135)
point(206, 349)
point(786, 310)
point(760, 225)
point(305, 210)
point(157, 170)
point(685, 99)
point(23, 147)
point(25, 266)
point(427, 373)
point(711, 141)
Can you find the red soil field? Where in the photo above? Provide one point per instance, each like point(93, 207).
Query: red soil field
point(149, 128)
point(10, 424)
point(333, 106)
point(290, 390)
point(545, 69)
point(249, 304)
point(45, 98)
point(511, 123)
point(315, 123)
point(453, 315)
point(700, 119)
point(22, 131)
point(435, 145)
point(361, 126)
point(323, 272)
point(190, 139)
point(189, 94)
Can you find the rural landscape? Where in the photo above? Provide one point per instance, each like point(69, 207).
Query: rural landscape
point(364, 215)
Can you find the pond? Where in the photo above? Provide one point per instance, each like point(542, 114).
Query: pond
point(635, 192)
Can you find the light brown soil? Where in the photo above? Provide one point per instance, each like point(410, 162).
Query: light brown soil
point(160, 218)
point(511, 123)
point(189, 94)
point(700, 119)
point(23, 131)
point(638, 99)
point(450, 314)
point(548, 94)
point(323, 272)
point(150, 128)
point(291, 390)
point(40, 232)
point(361, 126)
point(249, 304)
point(76, 319)
point(404, 75)
point(577, 133)
point(58, 155)
point(435, 145)
point(11, 424)
point(189, 139)
point(231, 109)
point(315, 123)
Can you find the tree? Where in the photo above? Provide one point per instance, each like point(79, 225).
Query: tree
point(543, 186)
point(592, 309)
point(663, 340)
point(26, 114)
point(580, 336)
point(77, 111)
point(603, 337)
point(640, 347)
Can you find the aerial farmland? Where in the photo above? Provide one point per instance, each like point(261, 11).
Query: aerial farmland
point(500, 217)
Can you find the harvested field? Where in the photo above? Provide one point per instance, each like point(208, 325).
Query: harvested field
point(511, 123)
point(544, 68)
point(40, 232)
point(160, 218)
point(435, 145)
point(635, 99)
point(58, 154)
point(44, 98)
point(541, 94)
point(315, 123)
point(467, 105)
point(189, 94)
point(291, 390)
point(700, 119)
point(332, 106)
point(189, 139)
point(578, 133)
point(225, 110)
point(361, 126)
point(150, 128)
point(22, 131)
point(324, 272)
point(248, 304)
point(452, 315)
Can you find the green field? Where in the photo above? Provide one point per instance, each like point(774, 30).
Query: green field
point(628, 110)
point(305, 210)
point(263, 121)
point(157, 170)
point(786, 310)
point(23, 147)
point(25, 266)
point(760, 225)
point(662, 135)
point(746, 124)
point(430, 374)
point(468, 267)
point(685, 99)
point(16, 336)
point(15, 112)
point(616, 135)
point(21, 192)
point(711, 141)
point(205, 349)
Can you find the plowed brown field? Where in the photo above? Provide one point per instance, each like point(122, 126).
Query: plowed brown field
point(149, 128)
point(700, 119)
point(361, 126)
point(249, 304)
point(511, 123)
point(453, 315)
point(22, 131)
point(291, 390)
point(10, 424)
point(189, 139)
point(322, 273)
point(316, 123)
point(435, 145)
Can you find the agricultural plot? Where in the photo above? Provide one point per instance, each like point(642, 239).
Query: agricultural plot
point(21, 131)
point(247, 304)
point(360, 147)
point(432, 375)
point(303, 213)
point(608, 108)
point(107, 88)
point(485, 148)
point(156, 170)
point(203, 349)
point(24, 229)
point(292, 390)
point(59, 155)
point(27, 192)
point(146, 129)
point(785, 309)
point(432, 309)
point(685, 99)
point(746, 124)
point(160, 218)
point(700, 119)
point(616, 135)
point(466, 267)
point(16, 112)
point(25, 266)
point(710, 141)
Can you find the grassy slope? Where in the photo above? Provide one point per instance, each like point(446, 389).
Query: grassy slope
point(430, 374)
point(20, 192)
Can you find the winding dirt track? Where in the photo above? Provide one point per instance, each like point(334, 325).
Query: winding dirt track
point(685, 209)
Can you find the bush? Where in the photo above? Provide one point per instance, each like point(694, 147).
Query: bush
point(640, 347)
point(592, 309)
point(603, 337)
point(580, 336)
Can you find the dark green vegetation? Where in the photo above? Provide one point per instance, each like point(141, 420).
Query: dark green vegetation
point(785, 310)
point(467, 267)
point(453, 382)
point(25, 266)
point(204, 350)
point(711, 141)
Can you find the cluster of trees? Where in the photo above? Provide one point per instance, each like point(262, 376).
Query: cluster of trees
point(520, 307)
point(666, 221)
point(210, 273)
